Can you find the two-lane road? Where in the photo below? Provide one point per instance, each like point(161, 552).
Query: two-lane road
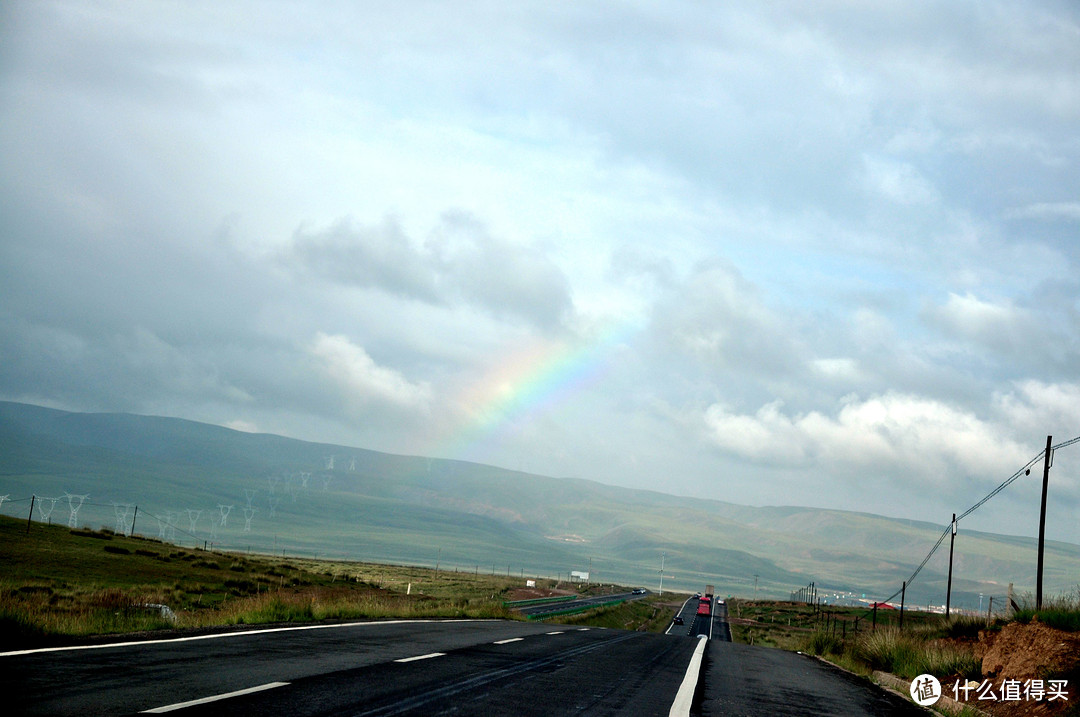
point(419, 667)
point(381, 668)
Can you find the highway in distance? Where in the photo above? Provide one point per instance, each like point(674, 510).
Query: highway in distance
point(431, 667)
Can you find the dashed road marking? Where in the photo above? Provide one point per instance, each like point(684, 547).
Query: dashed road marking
point(504, 642)
point(421, 657)
point(214, 698)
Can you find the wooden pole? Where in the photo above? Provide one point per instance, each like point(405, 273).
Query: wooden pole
point(948, 590)
point(1042, 528)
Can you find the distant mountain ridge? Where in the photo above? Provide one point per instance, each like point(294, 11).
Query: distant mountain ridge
point(197, 483)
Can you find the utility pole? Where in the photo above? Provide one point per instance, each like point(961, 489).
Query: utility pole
point(1042, 527)
point(662, 556)
point(948, 590)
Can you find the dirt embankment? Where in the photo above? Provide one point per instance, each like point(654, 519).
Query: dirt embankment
point(1023, 653)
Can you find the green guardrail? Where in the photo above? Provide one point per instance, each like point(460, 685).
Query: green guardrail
point(539, 601)
point(571, 611)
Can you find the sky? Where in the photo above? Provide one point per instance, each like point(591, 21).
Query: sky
point(785, 253)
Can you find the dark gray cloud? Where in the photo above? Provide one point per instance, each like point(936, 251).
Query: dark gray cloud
point(458, 262)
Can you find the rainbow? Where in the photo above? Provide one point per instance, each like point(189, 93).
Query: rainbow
point(529, 383)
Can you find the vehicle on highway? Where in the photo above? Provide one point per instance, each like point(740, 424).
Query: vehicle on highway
point(703, 608)
point(640, 591)
point(678, 620)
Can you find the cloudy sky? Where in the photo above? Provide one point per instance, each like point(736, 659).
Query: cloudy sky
point(771, 253)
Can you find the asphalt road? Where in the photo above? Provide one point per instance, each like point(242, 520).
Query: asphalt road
point(761, 682)
point(431, 668)
point(714, 625)
point(382, 668)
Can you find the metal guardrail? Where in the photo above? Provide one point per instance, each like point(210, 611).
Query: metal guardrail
point(538, 601)
point(571, 611)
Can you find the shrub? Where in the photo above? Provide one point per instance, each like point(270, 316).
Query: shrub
point(962, 626)
point(117, 549)
point(1058, 618)
point(822, 643)
point(905, 655)
point(84, 533)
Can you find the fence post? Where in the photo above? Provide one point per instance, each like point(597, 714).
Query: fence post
point(873, 625)
point(32, 497)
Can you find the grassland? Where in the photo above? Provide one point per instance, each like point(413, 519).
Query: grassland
point(59, 585)
point(928, 643)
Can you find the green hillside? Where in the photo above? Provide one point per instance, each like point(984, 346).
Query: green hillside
point(196, 484)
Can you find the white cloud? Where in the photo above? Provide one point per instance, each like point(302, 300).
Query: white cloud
point(363, 382)
point(893, 434)
point(1047, 211)
point(899, 182)
point(1037, 407)
point(1000, 326)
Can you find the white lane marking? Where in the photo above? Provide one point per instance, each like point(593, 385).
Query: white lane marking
point(214, 698)
point(421, 657)
point(220, 635)
point(583, 629)
point(668, 631)
point(505, 642)
point(684, 700)
point(557, 632)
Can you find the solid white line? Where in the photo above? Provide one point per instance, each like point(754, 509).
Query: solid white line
point(504, 642)
point(684, 700)
point(220, 635)
point(215, 698)
point(557, 632)
point(421, 657)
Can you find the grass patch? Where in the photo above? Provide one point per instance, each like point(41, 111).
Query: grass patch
point(57, 587)
point(1058, 618)
point(650, 614)
point(908, 655)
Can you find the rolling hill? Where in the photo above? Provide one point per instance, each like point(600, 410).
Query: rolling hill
point(201, 485)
